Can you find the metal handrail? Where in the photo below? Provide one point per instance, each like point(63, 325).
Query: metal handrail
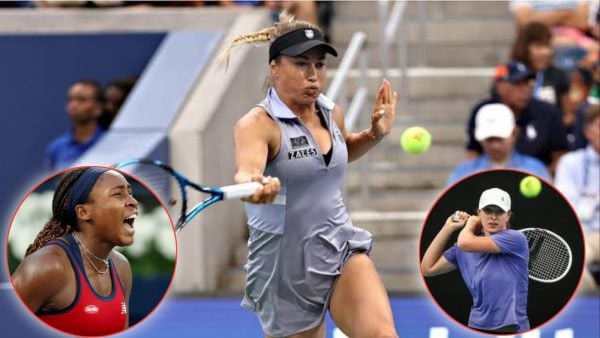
point(354, 52)
point(348, 60)
point(388, 26)
point(336, 93)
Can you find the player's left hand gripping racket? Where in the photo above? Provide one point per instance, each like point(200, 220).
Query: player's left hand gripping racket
point(172, 187)
point(550, 256)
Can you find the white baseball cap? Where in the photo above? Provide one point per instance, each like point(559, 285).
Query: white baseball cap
point(495, 196)
point(494, 120)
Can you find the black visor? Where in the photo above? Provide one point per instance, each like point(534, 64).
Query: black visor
point(297, 42)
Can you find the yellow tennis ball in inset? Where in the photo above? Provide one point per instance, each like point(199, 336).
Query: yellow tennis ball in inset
point(415, 140)
point(530, 186)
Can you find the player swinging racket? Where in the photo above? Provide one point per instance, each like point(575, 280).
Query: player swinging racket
point(306, 256)
point(71, 277)
point(493, 261)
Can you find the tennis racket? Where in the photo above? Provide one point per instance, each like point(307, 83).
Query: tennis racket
point(173, 187)
point(550, 256)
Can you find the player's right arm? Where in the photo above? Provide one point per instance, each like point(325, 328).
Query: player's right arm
point(256, 141)
point(41, 276)
point(433, 262)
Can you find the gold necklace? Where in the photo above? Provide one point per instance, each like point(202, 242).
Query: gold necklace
point(87, 254)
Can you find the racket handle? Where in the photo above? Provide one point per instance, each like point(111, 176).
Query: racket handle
point(455, 216)
point(240, 190)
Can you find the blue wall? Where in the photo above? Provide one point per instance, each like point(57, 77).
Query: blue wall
point(35, 74)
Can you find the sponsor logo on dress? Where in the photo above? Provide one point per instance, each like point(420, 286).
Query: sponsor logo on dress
point(123, 308)
point(91, 309)
point(296, 154)
point(299, 142)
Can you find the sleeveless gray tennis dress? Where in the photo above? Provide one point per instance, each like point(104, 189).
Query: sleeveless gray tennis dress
point(297, 249)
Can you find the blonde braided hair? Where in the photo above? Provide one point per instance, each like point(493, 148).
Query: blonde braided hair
point(286, 23)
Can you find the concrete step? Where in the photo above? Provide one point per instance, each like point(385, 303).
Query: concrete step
point(426, 83)
point(435, 54)
point(486, 31)
point(390, 224)
point(429, 111)
point(446, 109)
point(386, 157)
point(391, 198)
point(435, 10)
point(399, 255)
point(398, 178)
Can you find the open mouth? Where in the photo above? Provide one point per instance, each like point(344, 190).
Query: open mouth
point(128, 222)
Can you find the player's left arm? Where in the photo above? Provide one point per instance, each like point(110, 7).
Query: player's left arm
point(124, 271)
point(470, 242)
point(381, 123)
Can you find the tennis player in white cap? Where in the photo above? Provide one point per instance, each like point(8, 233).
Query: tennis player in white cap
point(492, 260)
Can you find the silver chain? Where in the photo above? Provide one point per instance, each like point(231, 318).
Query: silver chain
point(87, 254)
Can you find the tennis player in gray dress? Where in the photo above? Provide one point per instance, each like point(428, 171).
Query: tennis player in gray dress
point(305, 256)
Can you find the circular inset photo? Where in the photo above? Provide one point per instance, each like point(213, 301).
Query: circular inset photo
point(91, 251)
point(501, 252)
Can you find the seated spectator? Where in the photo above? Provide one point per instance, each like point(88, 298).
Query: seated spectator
point(84, 106)
point(495, 130)
point(578, 177)
point(564, 13)
point(574, 25)
point(541, 134)
point(115, 94)
point(581, 95)
point(533, 47)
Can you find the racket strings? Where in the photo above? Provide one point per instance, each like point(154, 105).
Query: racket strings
point(549, 258)
point(161, 182)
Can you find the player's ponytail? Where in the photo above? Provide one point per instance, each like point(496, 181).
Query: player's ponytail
point(286, 23)
point(59, 223)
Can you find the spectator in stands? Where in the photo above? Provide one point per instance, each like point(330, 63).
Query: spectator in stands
point(541, 130)
point(84, 106)
point(574, 26)
point(566, 13)
point(496, 132)
point(115, 94)
point(533, 48)
point(578, 177)
point(593, 97)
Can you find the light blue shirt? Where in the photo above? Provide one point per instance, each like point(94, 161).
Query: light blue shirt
point(517, 161)
point(578, 178)
point(64, 150)
point(498, 282)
